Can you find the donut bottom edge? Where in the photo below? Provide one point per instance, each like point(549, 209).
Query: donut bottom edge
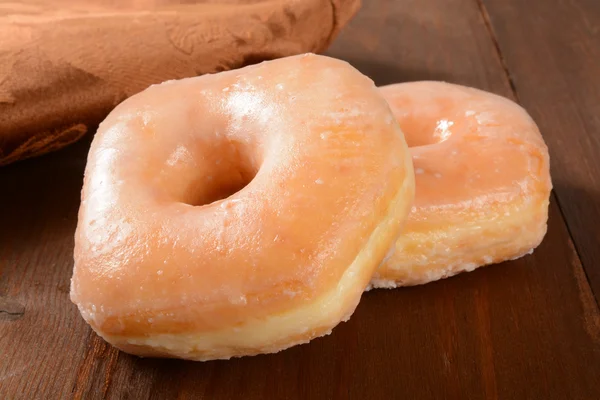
point(514, 232)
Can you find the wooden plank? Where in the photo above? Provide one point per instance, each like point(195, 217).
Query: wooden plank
point(553, 54)
point(42, 344)
point(523, 329)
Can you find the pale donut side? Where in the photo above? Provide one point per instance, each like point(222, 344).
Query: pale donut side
point(482, 182)
point(239, 213)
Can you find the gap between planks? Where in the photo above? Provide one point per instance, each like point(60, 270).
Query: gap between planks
point(485, 17)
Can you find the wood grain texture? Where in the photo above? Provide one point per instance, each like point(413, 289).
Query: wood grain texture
point(65, 64)
point(527, 329)
point(553, 54)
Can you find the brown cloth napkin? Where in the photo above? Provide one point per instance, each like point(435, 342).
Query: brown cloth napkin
point(64, 64)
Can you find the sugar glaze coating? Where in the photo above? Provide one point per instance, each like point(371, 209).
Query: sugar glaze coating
point(239, 213)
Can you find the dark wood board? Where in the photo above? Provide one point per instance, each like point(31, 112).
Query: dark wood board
point(553, 55)
point(527, 329)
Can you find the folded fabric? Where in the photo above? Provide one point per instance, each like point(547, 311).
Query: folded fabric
point(65, 64)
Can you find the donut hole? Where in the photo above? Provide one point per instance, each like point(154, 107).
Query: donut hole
point(425, 132)
point(224, 171)
point(221, 189)
point(425, 122)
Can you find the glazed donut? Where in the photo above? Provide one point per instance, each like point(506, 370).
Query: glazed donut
point(238, 213)
point(482, 182)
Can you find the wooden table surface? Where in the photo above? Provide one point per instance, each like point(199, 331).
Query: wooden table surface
point(526, 329)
